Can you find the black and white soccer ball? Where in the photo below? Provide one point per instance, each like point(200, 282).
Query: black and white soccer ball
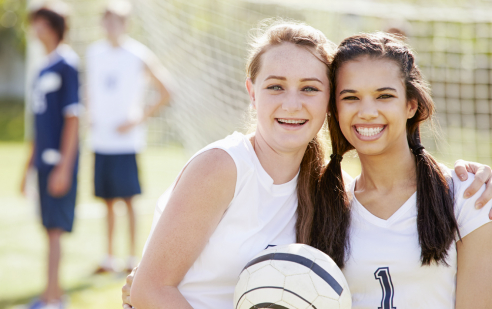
point(294, 276)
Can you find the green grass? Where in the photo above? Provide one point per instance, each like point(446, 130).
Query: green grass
point(11, 119)
point(23, 243)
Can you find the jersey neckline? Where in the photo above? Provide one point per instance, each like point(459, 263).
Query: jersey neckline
point(367, 215)
point(265, 179)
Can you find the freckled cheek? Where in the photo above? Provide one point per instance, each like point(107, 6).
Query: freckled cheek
point(265, 114)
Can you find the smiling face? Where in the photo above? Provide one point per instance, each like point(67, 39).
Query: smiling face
point(290, 94)
point(372, 105)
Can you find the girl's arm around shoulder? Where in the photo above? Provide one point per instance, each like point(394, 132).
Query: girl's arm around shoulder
point(200, 198)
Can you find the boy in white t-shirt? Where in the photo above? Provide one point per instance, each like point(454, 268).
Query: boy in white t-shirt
point(117, 70)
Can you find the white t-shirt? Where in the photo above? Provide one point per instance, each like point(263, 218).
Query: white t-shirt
point(260, 214)
point(384, 269)
point(116, 79)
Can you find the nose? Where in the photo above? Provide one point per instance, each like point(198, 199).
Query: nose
point(291, 102)
point(368, 109)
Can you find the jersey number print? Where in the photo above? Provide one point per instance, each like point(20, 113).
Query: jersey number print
point(383, 275)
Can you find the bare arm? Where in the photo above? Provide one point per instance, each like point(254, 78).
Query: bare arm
point(60, 179)
point(30, 162)
point(196, 206)
point(157, 75)
point(474, 278)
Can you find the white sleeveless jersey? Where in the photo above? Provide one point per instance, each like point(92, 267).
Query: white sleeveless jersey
point(261, 214)
point(384, 270)
point(116, 80)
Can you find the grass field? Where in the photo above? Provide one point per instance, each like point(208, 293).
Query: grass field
point(22, 241)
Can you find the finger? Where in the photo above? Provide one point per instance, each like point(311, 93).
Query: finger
point(475, 186)
point(127, 300)
point(460, 170)
point(125, 294)
point(482, 171)
point(490, 214)
point(129, 279)
point(486, 195)
point(125, 291)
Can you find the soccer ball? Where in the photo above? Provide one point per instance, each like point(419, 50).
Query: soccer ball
point(294, 276)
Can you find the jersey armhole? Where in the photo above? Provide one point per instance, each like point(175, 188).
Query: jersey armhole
point(201, 152)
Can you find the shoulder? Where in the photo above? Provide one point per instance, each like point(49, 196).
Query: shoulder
point(458, 186)
point(96, 48)
point(211, 173)
point(233, 146)
point(214, 161)
point(228, 158)
point(69, 56)
point(142, 53)
point(137, 49)
point(468, 217)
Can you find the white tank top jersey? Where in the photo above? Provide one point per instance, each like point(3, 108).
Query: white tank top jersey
point(116, 79)
point(260, 215)
point(383, 268)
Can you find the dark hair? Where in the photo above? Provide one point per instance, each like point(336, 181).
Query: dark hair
point(304, 36)
point(436, 223)
point(56, 21)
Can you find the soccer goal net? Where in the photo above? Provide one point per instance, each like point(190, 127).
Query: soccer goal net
point(203, 43)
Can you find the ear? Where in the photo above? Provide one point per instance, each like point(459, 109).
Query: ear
point(251, 91)
point(412, 107)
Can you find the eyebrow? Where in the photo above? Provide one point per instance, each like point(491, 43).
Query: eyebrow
point(275, 77)
point(302, 80)
point(347, 91)
point(378, 90)
point(311, 79)
point(386, 88)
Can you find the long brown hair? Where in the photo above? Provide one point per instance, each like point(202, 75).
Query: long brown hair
point(436, 223)
point(275, 33)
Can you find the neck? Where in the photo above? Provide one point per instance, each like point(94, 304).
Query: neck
point(282, 167)
point(115, 41)
point(50, 46)
point(394, 168)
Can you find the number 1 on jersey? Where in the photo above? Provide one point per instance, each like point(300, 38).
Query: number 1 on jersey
point(383, 275)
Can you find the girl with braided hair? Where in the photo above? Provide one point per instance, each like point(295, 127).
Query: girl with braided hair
point(402, 231)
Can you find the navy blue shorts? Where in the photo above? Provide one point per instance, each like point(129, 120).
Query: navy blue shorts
point(56, 212)
point(116, 176)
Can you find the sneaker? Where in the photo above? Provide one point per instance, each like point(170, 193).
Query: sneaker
point(36, 304)
point(108, 265)
point(39, 304)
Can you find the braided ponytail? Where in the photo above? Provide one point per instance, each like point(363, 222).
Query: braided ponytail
point(436, 223)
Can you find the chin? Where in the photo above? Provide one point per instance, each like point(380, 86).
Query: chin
point(290, 144)
point(370, 151)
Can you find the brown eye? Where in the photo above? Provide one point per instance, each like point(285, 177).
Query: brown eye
point(350, 98)
point(386, 96)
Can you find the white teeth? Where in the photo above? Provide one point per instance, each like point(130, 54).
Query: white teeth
point(369, 131)
point(297, 121)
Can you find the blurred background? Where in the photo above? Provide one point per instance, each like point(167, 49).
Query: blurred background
point(203, 44)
